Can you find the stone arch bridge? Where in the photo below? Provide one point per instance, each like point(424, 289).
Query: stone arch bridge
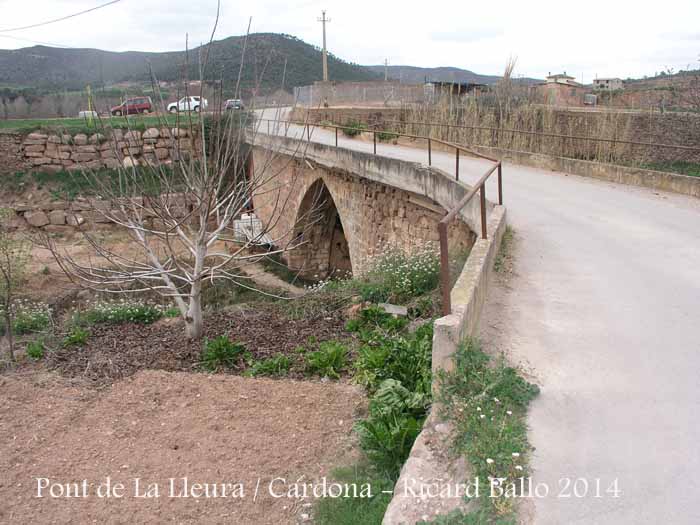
point(340, 207)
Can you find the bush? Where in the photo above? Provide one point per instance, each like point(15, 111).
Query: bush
point(328, 361)
point(398, 276)
point(404, 357)
point(76, 337)
point(395, 367)
point(35, 350)
point(395, 420)
point(123, 311)
point(275, 366)
point(386, 136)
point(28, 317)
point(221, 352)
point(353, 128)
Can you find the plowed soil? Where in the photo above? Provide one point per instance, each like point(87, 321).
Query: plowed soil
point(158, 425)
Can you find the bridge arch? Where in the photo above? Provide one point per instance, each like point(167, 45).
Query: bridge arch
point(322, 247)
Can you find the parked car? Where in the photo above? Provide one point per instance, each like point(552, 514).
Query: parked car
point(132, 106)
point(234, 104)
point(195, 104)
point(87, 114)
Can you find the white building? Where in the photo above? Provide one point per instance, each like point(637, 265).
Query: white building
point(608, 84)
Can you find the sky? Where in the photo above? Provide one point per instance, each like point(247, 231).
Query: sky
point(610, 38)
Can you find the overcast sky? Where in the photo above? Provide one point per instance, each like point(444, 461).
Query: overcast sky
point(588, 38)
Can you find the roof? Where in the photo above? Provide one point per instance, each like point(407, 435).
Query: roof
point(611, 78)
point(560, 75)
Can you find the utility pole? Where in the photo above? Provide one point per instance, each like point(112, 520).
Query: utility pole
point(323, 20)
point(386, 70)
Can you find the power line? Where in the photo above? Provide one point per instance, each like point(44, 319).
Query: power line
point(34, 41)
point(59, 19)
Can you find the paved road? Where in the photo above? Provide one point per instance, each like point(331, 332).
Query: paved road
point(606, 312)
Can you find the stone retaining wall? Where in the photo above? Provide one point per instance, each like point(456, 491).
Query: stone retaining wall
point(53, 152)
point(82, 213)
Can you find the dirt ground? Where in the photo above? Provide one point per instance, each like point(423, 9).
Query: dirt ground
point(158, 425)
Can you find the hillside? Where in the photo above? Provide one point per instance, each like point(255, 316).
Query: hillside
point(416, 75)
point(49, 68)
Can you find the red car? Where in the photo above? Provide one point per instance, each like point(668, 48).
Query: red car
point(132, 106)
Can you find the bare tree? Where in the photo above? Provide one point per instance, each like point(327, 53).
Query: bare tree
point(14, 252)
point(184, 217)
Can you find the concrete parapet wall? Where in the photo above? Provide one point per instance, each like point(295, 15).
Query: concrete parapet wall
point(468, 297)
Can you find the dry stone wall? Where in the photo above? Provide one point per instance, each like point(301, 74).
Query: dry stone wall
point(57, 152)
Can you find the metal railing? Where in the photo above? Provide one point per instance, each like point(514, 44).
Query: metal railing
point(479, 186)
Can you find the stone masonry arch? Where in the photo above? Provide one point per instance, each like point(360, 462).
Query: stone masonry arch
point(370, 215)
point(322, 248)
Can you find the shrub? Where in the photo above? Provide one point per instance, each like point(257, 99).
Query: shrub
point(28, 317)
point(221, 352)
point(328, 361)
point(275, 366)
point(404, 357)
point(395, 367)
point(353, 128)
point(398, 276)
point(172, 312)
point(78, 336)
point(35, 350)
point(123, 311)
point(386, 136)
point(395, 420)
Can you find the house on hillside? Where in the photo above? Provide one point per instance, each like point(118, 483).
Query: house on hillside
point(561, 90)
point(608, 84)
point(562, 78)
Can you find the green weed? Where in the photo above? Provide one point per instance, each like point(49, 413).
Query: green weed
point(329, 360)
point(275, 366)
point(221, 353)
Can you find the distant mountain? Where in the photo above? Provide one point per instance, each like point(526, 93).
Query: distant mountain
point(269, 59)
point(417, 75)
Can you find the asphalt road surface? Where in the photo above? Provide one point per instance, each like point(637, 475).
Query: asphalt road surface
point(606, 314)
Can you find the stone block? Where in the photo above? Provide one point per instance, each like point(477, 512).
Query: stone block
point(81, 139)
point(85, 149)
point(151, 133)
point(34, 148)
point(54, 139)
point(83, 157)
point(40, 161)
point(36, 218)
point(161, 153)
point(57, 217)
point(74, 219)
point(96, 138)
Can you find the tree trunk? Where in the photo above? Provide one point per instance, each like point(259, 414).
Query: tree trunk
point(193, 322)
point(8, 333)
